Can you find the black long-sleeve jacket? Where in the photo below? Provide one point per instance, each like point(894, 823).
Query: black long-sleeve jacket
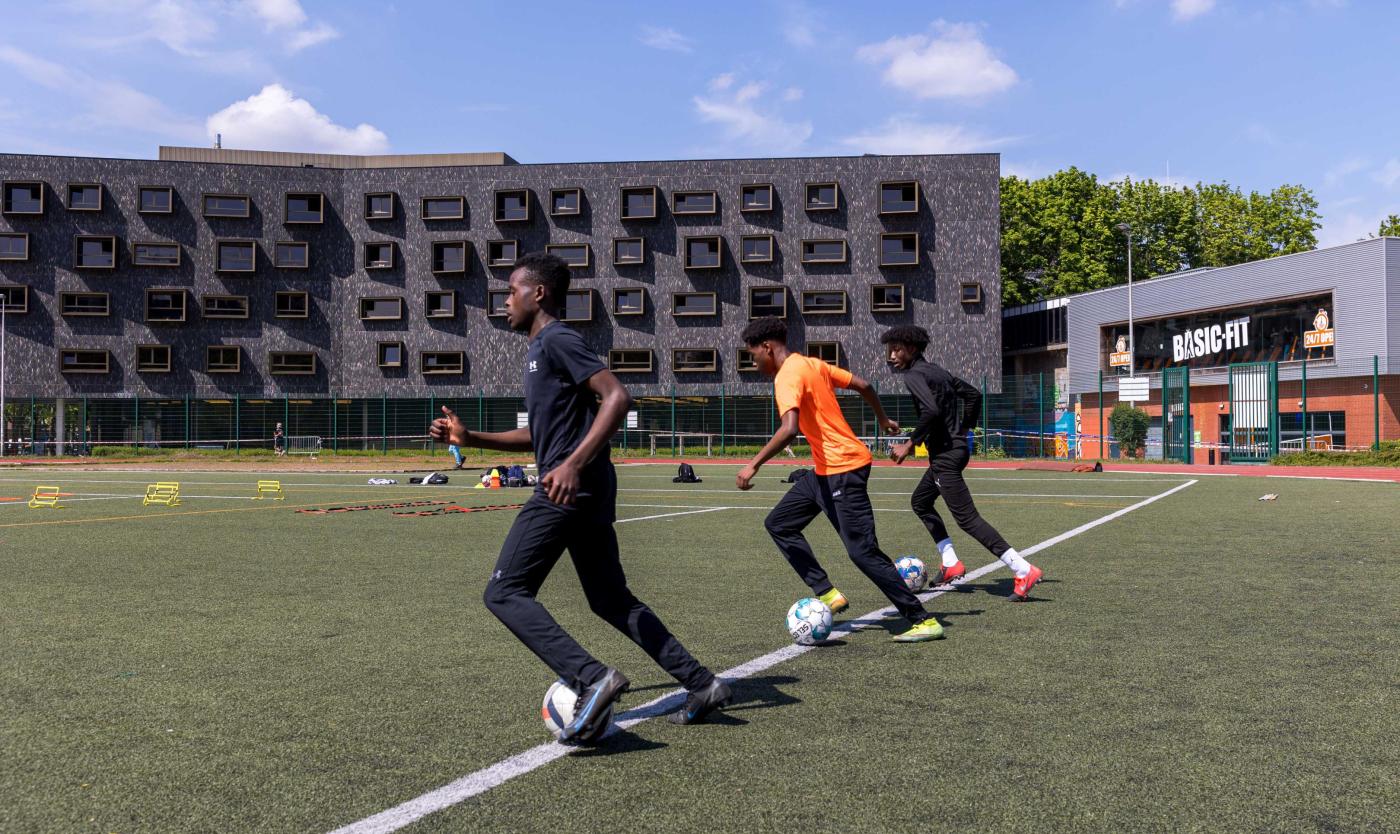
point(947, 406)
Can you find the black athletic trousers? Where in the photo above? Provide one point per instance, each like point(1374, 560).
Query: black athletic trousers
point(944, 477)
point(537, 539)
point(845, 500)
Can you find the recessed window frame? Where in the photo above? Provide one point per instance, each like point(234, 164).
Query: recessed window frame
point(320, 216)
point(23, 237)
point(143, 190)
point(782, 312)
point(879, 306)
point(10, 292)
point(148, 359)
point(718, 241)
point(283, 308)
point(808, 256)
point(975, 297)
point(377, 248)
point(677, 296)
point(251, 245)
point(828, 352)
point(175, 292)
point(372, 299)
point(444, 198)
point(78, 240)
point(450, 312)
point(369, 199)
point(216, 359)
point(756, 188)
point(678, 196)
point(292, 363)
point(903, 236)
point(88, 367)
point(638, 261)
point(564, 310)
point(446, 370)
point(236, 306)
point(555, 193)
point(138, 259)
point(100, 196)
point(435, 248)
point(204, 206)
point(902, 184)
point(694, 367)
point(641, 309)
point(556, 248)
point(629, 360)
point(379, 354)
point(70, 308)
point(498, 209)
point(744, 362)
point(815, 310)
point(5, 197)
point(638, 189)
point(278, 247)
point(744, 256)
point(492, 310)
point(835, 203)
point(496, 249)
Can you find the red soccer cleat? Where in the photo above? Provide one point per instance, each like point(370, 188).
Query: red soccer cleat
point(948, 574)
point(1021, 590)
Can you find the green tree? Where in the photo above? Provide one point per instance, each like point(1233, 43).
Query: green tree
point(1390, 227)
point(1129, 426)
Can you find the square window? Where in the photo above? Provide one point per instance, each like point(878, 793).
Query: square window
point(694, 360)
point(381, 309)
point(629, 301)
point(745, 362)
point(767, 301)
point(84, 361)
point(390, 354)
point(823, 196)
point(379, 255)
point(444, 208)
point(573, 254)
point(828, 352)
point(94, 252)
point(379, 206)
point(14, 246)
point(899, 197)
point(223, 359)
point(292, 304)
point(566, 201)
point(899, 249)
point(155, 253)
point(694, 202)
point(441, 304)
point(578, 306)
point(153, 359)
point(305, 208)
point(441, 362)
point(629, 251)
point(513, 206)
point(630, 361)
point(291, 363)
point(971, 293)
point(824, 251)
point(496, 303)
point(165, 305)
point(758, 197)
point(756, 249)
point(14, 299)
point(23, 198)
point(704, 252)
point(236, 256)
point(823, 302)
point(291, 254)
point(639, 203)
point(85, 303)
point(449, 256)
point(84, 196)
point(225, 306)
point(227, 205)
point(694, 304)
point(502, 252)
point(155, 199)
point(887, 298)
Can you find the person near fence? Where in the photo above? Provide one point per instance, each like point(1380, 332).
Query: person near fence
point(574, 507)
point(279, 441)
point(804, 388)
point(947, 408)
point(456, 452)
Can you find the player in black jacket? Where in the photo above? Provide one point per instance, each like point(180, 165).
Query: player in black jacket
point(947, 409)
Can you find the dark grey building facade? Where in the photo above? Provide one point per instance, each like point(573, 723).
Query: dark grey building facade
point(213, 273)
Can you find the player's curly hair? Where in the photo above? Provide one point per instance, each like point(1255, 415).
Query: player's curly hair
point(761, 330)
point(906, 334)
point(549, 271)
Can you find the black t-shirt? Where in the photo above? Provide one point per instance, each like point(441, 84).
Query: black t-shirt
point(561, 406)
point(946, 406)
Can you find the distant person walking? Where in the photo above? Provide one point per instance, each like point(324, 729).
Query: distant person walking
point(279, 441)
point(456, 454)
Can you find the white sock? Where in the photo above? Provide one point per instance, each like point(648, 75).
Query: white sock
point(945, 549)
point(1013, 560)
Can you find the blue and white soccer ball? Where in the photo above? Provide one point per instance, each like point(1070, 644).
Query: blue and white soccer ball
point(558, 712)
point(912, 571)
point(809, 621)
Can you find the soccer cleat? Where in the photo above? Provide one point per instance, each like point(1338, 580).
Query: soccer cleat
point(835, 600)
point(929, 629)
point(702, 703)
point(1022, 587)
point(593, 706)
point(947, 574)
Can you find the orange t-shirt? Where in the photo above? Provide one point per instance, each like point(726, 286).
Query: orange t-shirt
point(808, 385)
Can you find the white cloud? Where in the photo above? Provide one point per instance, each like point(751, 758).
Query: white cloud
point(193, 27)
point(303, 38)
point(1184, 10)
point(747, 118)
point(278, 14)
point(1344, 169)
point(904, 135)
point(800, 24)
point(792, 94)
point(276, 120)
point(1389, 173)
point(669, 40)
point(951, 63)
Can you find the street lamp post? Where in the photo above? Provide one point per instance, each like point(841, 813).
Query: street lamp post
point(1127, 231)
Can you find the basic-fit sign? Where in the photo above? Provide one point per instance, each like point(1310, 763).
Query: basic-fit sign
point(1208, 341)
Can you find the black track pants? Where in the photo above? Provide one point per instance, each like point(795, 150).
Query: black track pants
point(944, 477)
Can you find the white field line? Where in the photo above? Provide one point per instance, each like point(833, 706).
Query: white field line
point(536, 757)
point(671, 515)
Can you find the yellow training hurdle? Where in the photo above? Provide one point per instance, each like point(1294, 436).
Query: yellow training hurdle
point(45, 496)
point(270, 489)
point(166, 492)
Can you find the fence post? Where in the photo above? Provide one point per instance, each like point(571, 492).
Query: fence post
point(187, 421)
point(721, 418)
point(286, 415)
point(1186, 414)
point(432, 403)
point(85, 427)
point(237, 429)
point(673, 420)
point(136, 415)
point(335, 428)
point(985, 427)
point(480, 415)
point(384, 424)
point(33, 429)
point(1040, 412)
point(1103, 444)
point(1306, 444)
point(1376, 399)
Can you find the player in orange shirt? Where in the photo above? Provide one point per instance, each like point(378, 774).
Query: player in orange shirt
point(805, 392)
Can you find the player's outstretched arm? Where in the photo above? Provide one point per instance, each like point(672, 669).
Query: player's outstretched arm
point(449, 428)
point(561, 483)
point(786, 433)
point(867, 393)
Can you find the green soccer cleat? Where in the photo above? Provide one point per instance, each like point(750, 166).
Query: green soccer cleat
point(929, 629)
point(835, 600)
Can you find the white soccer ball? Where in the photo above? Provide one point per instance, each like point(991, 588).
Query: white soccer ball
point(912, 571)
point(558, 712)
point(809, 621)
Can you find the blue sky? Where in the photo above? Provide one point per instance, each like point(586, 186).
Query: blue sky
point(1253, 93)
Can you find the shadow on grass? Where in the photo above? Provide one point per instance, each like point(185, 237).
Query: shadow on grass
point(1002, 587)
point(618, 741)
